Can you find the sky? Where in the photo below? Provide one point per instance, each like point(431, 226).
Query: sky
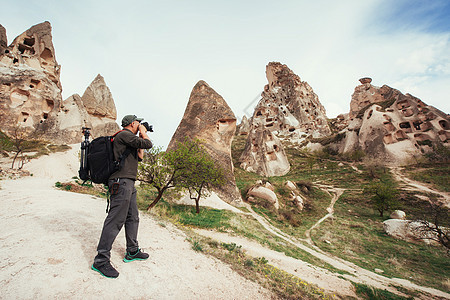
point(152, 53)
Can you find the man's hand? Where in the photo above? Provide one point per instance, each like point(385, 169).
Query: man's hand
point(143, 132)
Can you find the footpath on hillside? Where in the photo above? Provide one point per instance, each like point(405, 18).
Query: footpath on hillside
point(49, 239)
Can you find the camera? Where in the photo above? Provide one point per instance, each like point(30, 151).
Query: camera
point(147, 126)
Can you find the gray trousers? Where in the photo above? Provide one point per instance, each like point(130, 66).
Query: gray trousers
point(123, 210)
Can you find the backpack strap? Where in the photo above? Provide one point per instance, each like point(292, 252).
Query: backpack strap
point(124, 155)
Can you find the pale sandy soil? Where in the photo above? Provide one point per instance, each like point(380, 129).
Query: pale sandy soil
point(49, 239)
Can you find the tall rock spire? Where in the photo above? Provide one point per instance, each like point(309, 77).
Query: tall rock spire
point(209, 118)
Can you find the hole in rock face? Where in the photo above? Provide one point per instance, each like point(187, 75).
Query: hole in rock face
point(401, 135)
point(6, 51)
point(47, 55)
point(15, 60)
point(370, 114)
point(405, 125)
point(444, 124)
point(403, 104)
point(417, 124)
point(29, 41)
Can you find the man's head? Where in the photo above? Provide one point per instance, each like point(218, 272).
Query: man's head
point(131, 122)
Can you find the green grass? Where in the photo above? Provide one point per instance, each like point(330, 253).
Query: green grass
point(370, 293)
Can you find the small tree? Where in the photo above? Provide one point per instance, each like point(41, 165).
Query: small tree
point(158, 172)
point(18, 140)
point(164, 170)
point(187, 165)
point(436, 230)
point(311, 161)
point(383, 196)
point(202, 174)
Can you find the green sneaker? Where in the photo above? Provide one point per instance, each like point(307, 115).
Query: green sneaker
point(139, 255)
point(106, 270)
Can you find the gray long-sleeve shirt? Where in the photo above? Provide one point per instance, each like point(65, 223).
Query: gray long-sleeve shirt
point(121, 141)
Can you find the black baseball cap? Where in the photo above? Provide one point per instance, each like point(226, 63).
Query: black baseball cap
point(128, 119)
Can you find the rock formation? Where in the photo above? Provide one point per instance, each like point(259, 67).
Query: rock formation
point(265, 192)
point(209, 118)
point(99, 104)
point(289, 107)
point(288, 110)
point(3, 40)
point(391, 126)
point(30, 92)
point(244, 127)
point(264, 154)
point(98, 99)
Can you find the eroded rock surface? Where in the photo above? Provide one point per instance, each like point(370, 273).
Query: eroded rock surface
point(264, 154)
point(209, 118)
point(244, 127)
point(30, 90)
point(289, 110)
point(289, 107)
point(391, 126)
point(30, 93)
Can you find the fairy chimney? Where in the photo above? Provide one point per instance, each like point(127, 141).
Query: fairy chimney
point(209, 118)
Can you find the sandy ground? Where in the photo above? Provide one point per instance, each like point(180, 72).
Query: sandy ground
point(49, 239)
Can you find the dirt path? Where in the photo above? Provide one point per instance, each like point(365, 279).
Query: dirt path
point(419, 186)
point(330, 209)
point(49, 238)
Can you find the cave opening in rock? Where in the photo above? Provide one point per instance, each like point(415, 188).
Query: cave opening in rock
point(444, 124)
point(29, 41)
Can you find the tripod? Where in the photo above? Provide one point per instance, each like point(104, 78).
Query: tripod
point(84, 168)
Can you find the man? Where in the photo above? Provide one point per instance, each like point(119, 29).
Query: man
point(123, 209)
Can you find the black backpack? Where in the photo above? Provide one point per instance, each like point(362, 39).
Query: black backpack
point(97, 159)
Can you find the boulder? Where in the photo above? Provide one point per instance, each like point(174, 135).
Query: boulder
point(290, 185)
point(398, 214)
point(298, 201)
point(209, 118)
point(264, 193)
point(408, 230)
